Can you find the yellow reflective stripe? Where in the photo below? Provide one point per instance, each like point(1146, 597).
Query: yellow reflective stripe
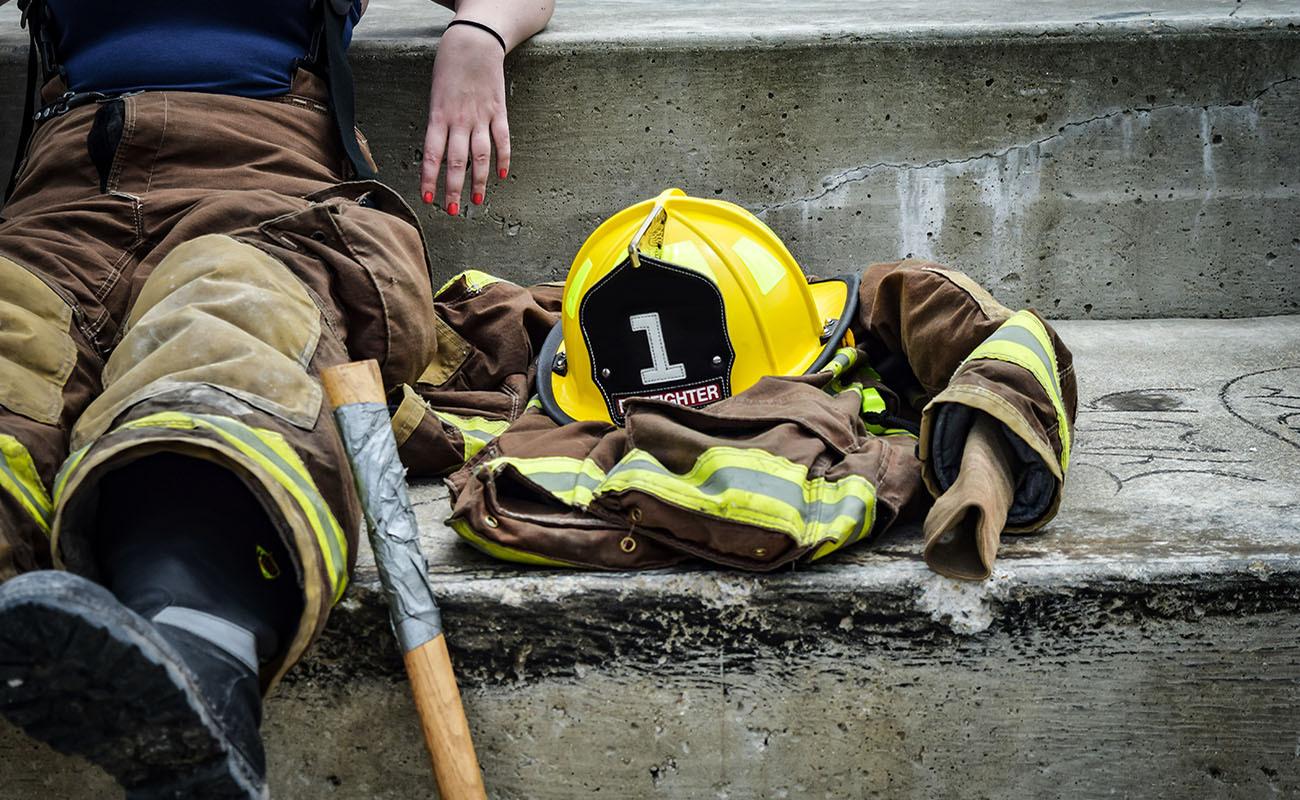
point(845, 363)
point(270, 451)
point(61, 480)
point(1023, 341)
point(764, 267)
point(873, 403)
point(844, 358)
point(534, 404)
point(18, 477)
point(574, 289)
point(463, 529)
point(748, 486)
point(754, 487)
point(475, 432)
point(687, 254)
point(163, 419)
point(475, 281)
point(570, 480)
point(881, 430)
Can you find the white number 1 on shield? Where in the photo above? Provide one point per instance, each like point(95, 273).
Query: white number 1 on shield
point(661, 371)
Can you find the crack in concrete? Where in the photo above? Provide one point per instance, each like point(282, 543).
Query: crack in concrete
point(857, 174)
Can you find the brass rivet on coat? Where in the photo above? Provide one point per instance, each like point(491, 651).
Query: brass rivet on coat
point(490, 520)
point(627, 544)
point(759, 552)
point(634, 515)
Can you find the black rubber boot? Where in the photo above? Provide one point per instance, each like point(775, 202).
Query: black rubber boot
point(156, 680)
point(90, 677)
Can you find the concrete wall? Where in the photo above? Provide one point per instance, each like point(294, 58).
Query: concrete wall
point(1098, 173)
point(1127, 178)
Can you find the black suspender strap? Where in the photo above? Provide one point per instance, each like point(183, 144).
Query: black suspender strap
point(338, 73)
point(29, 98)
point(29, 110)
point(342, 99)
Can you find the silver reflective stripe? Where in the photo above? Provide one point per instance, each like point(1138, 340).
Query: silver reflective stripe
point(1026, 339)
point(560, 482)
point(225, 634)
point(758, 482)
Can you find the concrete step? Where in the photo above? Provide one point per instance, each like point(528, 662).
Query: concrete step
point(1091, 159)
point(1143, 645)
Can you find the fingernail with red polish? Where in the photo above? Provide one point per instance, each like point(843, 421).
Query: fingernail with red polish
point(453, 209)
point(428, 198)
point(501, 173)
point(478, 198)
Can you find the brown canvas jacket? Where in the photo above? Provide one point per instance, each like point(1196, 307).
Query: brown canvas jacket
point(792, 468)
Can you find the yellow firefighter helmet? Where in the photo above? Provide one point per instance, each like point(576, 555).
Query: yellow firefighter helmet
point(684, 300)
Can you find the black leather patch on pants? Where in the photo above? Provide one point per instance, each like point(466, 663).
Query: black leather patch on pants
point(657, 331)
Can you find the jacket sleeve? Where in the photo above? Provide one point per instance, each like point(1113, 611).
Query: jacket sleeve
point(488, 332)
point(957, 352)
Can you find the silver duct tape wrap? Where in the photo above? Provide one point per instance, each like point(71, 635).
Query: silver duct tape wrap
point(394, 534)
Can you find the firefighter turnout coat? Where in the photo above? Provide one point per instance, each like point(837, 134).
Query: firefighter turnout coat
point(791, 468)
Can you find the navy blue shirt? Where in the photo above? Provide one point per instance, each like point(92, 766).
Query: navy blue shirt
point(240, 47)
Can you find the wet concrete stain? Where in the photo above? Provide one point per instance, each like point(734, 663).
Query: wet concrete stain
point(1142, 400)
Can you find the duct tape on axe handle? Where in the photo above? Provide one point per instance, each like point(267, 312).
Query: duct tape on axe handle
point(381, 483)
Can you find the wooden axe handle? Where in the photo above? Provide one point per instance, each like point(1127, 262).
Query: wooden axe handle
point(442, 716)
point(356, 382)
point(437, 698)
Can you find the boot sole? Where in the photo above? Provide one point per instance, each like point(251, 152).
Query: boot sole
point(92, 678)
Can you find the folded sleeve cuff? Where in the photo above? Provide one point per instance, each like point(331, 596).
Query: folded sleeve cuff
point(1013, 376)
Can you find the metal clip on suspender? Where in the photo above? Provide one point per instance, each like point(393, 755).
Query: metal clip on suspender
point(342, 98)
point(70, 100)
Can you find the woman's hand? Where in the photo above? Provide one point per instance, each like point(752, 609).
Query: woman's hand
point(467, 116)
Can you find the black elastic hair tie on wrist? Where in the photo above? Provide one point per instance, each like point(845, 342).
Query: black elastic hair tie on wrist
point(481, 27)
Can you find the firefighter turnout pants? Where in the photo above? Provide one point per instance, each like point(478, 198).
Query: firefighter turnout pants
point(175, 271)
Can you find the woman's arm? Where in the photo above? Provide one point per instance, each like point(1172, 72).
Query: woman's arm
point(467, 101)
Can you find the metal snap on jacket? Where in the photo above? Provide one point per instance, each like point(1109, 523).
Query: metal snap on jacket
point(627, 544)
point(490, 521)
point(634, 515)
